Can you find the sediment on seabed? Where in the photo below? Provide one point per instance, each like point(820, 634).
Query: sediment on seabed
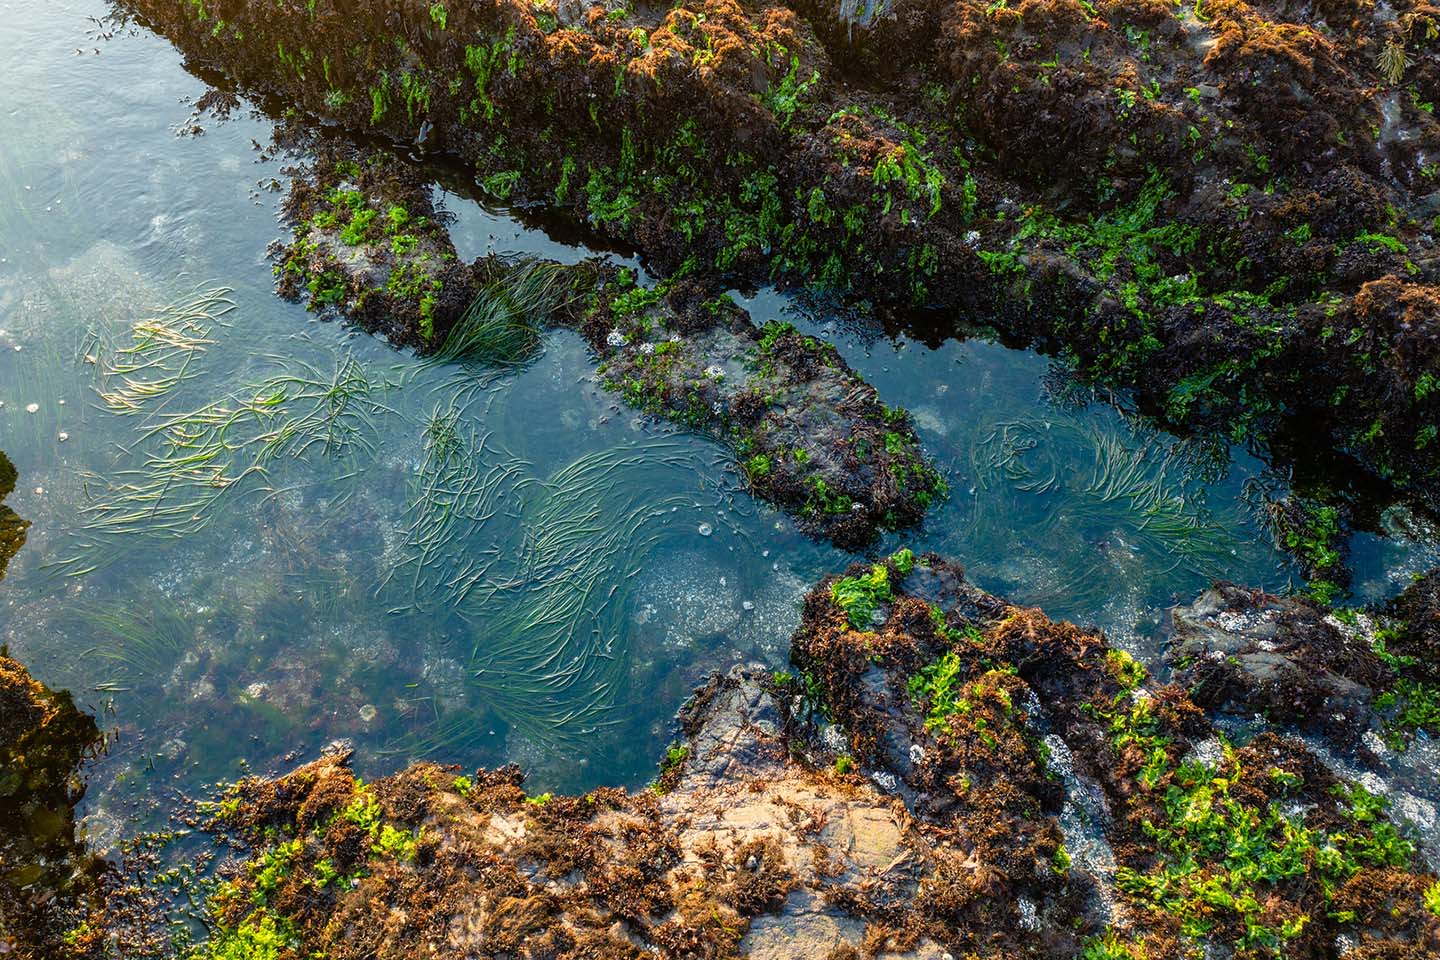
point(1229, 207)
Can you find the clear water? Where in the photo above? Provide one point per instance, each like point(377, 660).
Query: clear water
point(477, 566)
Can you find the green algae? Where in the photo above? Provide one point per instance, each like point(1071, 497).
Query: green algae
point(12, 527)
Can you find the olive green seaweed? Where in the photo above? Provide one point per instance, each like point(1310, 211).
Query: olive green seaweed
point(160, 353)
point(191, 463)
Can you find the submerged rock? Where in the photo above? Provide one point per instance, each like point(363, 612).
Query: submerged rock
point(47, 878)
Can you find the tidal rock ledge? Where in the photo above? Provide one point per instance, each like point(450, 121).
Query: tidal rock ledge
point(948, 775)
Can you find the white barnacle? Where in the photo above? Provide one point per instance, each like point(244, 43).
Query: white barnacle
point(972, 238)
point(615, 339)
point(647, 348)
point(715, 372)
point(885, 780)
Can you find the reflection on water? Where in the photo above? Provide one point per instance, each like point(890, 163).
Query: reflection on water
point(255, 533)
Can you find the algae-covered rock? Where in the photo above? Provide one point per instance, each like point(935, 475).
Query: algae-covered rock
point(12, 527)
point(1230, 209)
point(46, 876)
point(1341, 674)
point(810, 434)
point(910, 793)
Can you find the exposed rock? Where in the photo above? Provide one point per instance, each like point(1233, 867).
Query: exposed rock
point(1244, 652)
point(761, 841)
point(1229, 210)
point(12, 527)
point(1338, 674)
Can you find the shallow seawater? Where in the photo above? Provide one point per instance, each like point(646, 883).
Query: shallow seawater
point(255, 533)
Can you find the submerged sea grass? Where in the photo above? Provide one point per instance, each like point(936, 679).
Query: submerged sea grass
point(1116, 486)
point(550, 652)
point(136, 643)
point(503, 324)
point(458, 488)
point(191, 463)
point(539, 567)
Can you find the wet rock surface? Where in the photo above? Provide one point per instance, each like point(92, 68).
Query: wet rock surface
point(46, 875)
point(811, 436)
point(12, 527)
point(1244, 651)
point(1353, 677)
point(1230, 209)
point(915, 790)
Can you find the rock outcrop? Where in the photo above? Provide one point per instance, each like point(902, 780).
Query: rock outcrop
point(947, 775)
point(1336, 673)
point(1229, 208)
point(12, 528)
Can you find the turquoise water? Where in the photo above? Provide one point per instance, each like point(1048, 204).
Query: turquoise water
point(255, 533)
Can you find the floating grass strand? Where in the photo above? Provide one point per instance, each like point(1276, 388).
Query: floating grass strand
point(189, 464)
point(161, 352)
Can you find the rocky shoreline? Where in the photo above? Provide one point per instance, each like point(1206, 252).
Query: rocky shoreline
point(1229, 208)
point(944, 775)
